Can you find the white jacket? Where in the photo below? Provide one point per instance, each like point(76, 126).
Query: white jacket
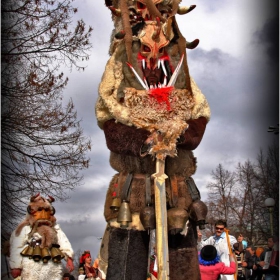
point(37, 270)
point(222, 249)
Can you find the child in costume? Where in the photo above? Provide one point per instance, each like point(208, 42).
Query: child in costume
point(38, 244)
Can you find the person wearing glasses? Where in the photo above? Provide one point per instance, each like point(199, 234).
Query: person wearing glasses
point(219, 240)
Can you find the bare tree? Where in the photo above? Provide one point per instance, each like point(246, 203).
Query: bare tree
point(267, 175)
point(220, 193)
point(238, 197)
point(43, 147)
point(249, 201)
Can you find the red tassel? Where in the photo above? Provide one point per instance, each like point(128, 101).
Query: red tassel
point(162, 95)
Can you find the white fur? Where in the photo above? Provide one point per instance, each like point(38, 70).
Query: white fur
point(32, 270)
point(40, 271)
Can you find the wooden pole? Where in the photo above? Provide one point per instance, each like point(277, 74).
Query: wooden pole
point(161, 221)
point(229, 248)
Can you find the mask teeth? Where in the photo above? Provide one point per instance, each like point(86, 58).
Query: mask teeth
point(145, 81)
point(151, 86)
point(137, 76)
point(143, 64)
point(163, 67)
point(159, 85)
point(164, 81)
point(175, 73)
point(158, 64)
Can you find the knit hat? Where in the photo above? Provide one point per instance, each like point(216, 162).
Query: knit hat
point(208, 253)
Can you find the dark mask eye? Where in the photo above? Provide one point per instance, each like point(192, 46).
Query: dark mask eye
point(40, 208)
point(30, 210)
point(53, 211)
point(146, 49)
point(47, 209)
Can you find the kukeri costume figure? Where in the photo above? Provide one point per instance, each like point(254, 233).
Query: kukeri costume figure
point(38, 244)
point(150, 108)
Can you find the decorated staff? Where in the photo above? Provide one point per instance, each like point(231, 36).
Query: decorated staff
point(229, 248)
point(153, 115)
point(38, 245)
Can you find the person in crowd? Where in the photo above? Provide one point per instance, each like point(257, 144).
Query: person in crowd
point(82, 275)
point(100, 273)
point(240, 239)
point(252, 271)
point(270, 266)
point(219, 241)
point(68, 276)
point(210, 265)
point(239, 256)
point(85, 262)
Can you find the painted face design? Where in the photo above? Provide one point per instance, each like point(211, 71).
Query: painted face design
point(152, 55)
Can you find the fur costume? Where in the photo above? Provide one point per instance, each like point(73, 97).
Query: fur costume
point(39, 229)
point(150, 108)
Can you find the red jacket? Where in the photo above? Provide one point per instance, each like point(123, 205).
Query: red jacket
point(211, 272)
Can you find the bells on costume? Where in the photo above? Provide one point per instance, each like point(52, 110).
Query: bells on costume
point(27, 251)
point(116, 203)
point(148, 218)
point(177, 216)
point(147, 214)
point(37, 253)
point(176, 220)
point(46, 255)
point(56, 254)
point(198, 212)
point(124, 216)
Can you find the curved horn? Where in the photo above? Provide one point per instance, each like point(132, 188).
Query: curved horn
point(193, 44)
point(50, 199)
point(32, 198)
point(116, 12)
point(52, 211)
point(184, 10)
point(29, 211)
point(169, 28)
point(157, 29)
point(108, 3)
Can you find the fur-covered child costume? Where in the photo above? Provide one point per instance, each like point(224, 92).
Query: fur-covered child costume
point(149, 107)
point(38, 244)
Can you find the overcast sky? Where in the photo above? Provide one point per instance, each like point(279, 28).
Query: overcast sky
point(236, 67)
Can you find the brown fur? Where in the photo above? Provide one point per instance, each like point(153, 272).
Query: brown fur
point(49, 236)
point(184, 164)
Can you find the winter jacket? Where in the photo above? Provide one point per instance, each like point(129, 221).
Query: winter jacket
point(212, 272)
point(221, 245)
